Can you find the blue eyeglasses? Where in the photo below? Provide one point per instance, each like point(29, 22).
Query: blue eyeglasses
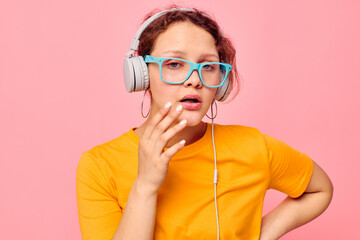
point(177, 70)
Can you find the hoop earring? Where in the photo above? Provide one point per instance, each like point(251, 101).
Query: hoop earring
point(211, 110)
point(142, 106)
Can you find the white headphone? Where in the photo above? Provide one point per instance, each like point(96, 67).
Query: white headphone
point(136, 75)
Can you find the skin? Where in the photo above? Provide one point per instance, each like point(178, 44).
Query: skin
point(168, 126)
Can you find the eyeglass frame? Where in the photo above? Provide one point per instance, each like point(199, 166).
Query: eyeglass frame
point(193, 66)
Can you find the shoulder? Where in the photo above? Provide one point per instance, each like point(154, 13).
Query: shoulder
point(237, 131)
point(251, 138)
point(128, 141)
point(108, 154)
point(240, 138)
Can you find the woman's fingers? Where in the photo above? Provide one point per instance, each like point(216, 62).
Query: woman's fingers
point(156, 119)
point(166, 122)
point(170, 152)
point(167, 135)
point(161, 122)
point(153, 160)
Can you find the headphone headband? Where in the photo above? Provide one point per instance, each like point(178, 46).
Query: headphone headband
point(136, 40)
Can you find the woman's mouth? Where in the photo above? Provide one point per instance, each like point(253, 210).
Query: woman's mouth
point(191, 102)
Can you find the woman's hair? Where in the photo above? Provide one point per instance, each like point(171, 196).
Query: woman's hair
point(224, 46)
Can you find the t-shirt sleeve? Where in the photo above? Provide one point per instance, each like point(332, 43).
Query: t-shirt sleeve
point(290, 169)
point(98, 210)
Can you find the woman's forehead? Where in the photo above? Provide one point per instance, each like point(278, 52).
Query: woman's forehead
point(185, 38)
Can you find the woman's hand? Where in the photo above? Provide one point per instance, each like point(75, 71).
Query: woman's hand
point(153, 160)
point(138, 219)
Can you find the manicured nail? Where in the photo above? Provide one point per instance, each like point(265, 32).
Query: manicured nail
point(182, 142)
point(183, 122)
point(178, 108)
point(167, 105)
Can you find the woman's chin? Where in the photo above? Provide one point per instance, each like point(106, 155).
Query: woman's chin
point(192, 120)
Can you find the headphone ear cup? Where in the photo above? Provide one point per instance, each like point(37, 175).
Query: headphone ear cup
point(223, 92)
point(128, 72)
point(136, 76)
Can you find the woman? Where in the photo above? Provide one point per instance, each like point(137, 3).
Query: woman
point(157, 181)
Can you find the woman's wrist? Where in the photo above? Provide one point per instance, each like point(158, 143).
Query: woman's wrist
point(144, 189)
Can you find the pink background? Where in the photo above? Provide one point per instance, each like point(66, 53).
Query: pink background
point(61, 93)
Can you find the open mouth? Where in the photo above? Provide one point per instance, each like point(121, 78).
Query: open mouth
point(190, 100)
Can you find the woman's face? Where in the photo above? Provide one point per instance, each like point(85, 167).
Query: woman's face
point(190, 42)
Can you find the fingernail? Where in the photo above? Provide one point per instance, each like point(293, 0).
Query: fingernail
point(167, 105)
point(178, 108)
point(183, 122)
point(182, 142)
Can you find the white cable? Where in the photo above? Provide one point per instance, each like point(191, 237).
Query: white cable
point(215, 172)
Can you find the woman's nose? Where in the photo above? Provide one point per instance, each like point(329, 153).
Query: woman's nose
point(194, 80)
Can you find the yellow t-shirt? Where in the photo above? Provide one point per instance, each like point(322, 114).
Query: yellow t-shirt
point(248, 163)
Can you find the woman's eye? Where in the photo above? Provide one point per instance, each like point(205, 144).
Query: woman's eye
point(208, 67)
point(173, 64)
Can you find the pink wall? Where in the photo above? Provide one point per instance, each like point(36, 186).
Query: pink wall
point(61, 93)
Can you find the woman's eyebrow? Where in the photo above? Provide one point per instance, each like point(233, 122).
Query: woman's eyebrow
point(182, 53)
point(175, 52)
point(210, 55)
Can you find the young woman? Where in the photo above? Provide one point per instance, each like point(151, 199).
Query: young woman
point(157, 181)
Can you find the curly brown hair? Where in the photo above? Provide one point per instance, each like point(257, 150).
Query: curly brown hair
point(226, 50)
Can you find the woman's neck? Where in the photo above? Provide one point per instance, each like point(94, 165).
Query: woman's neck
point(190, 134)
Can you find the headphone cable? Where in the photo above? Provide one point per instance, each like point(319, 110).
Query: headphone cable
point(215, 172)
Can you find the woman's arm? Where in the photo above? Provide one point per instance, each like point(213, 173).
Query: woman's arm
point(295, 212)
point(138, 219)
